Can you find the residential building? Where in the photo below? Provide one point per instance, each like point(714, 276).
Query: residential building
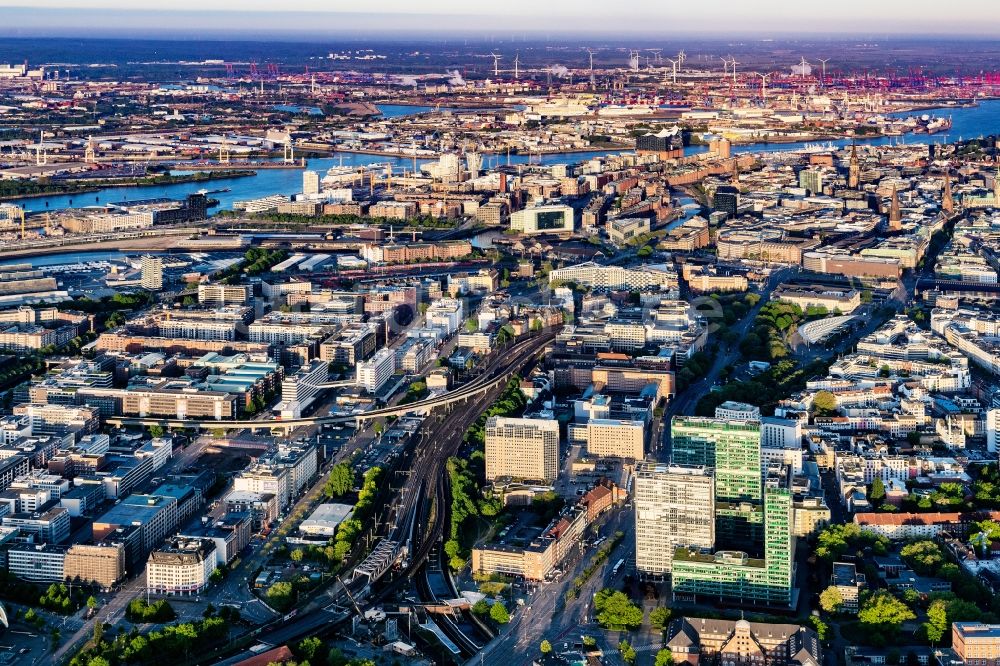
point(217, 295)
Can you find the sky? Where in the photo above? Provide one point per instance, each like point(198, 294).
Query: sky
point(667, 17)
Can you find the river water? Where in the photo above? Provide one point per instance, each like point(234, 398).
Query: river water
point(967, 123)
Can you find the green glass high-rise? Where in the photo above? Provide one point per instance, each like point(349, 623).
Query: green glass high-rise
point(732, 450)
point(752, 561)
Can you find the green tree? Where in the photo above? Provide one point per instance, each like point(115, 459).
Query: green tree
point(627, 652)
point(664, 658)
point(91, 602)
point(157, 431)
point(498, 613)
point(831, 600)
point(545, 647)
point(659, 617)
point(280, 595)
point(990, 528)
point(616, 611)
point(877, 493)
point(937, 621)
point(882, 614)
point(308, 648)
point(824, 403)
point(821, 627)
point(296, 555)
point(925, 557)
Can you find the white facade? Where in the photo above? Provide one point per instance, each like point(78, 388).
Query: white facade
point(543, 220)
point(304, 385)
point(184, 567)
point(674, 506)
point(446, 314)
point(737, 411)
point(376, 371)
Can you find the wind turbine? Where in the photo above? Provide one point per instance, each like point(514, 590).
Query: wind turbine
point(734, 63)
point(590, 52)
point(496, 64)
point(673, 64)
point(681, 57)
point(633, 60)
point(725, 67)
point(517, 63)
point(763, 86)
point(824, 61)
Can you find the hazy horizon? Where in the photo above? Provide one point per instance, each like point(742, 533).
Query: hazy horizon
point(237, 19)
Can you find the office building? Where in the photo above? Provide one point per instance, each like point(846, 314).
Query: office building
point(231, 534)
point(49, 524)
point(736, 576)
point(731, 410)
point(597, 276)
point(526, 449)
point(300, 389)
point(264, 478)
point(376, 371)
point(976, 643)
point(11, 468)
point(616, 438)
point(152, 273)
point(553, 219)
point(445, 314)
point(151, 517)
point(37, 562)
point(181, 567)
point(726, 200)
point(674, 506)
point(695, 640)
point(730, 448)
point(99, 564)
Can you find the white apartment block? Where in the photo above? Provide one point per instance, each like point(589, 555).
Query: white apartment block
point(221, 295)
